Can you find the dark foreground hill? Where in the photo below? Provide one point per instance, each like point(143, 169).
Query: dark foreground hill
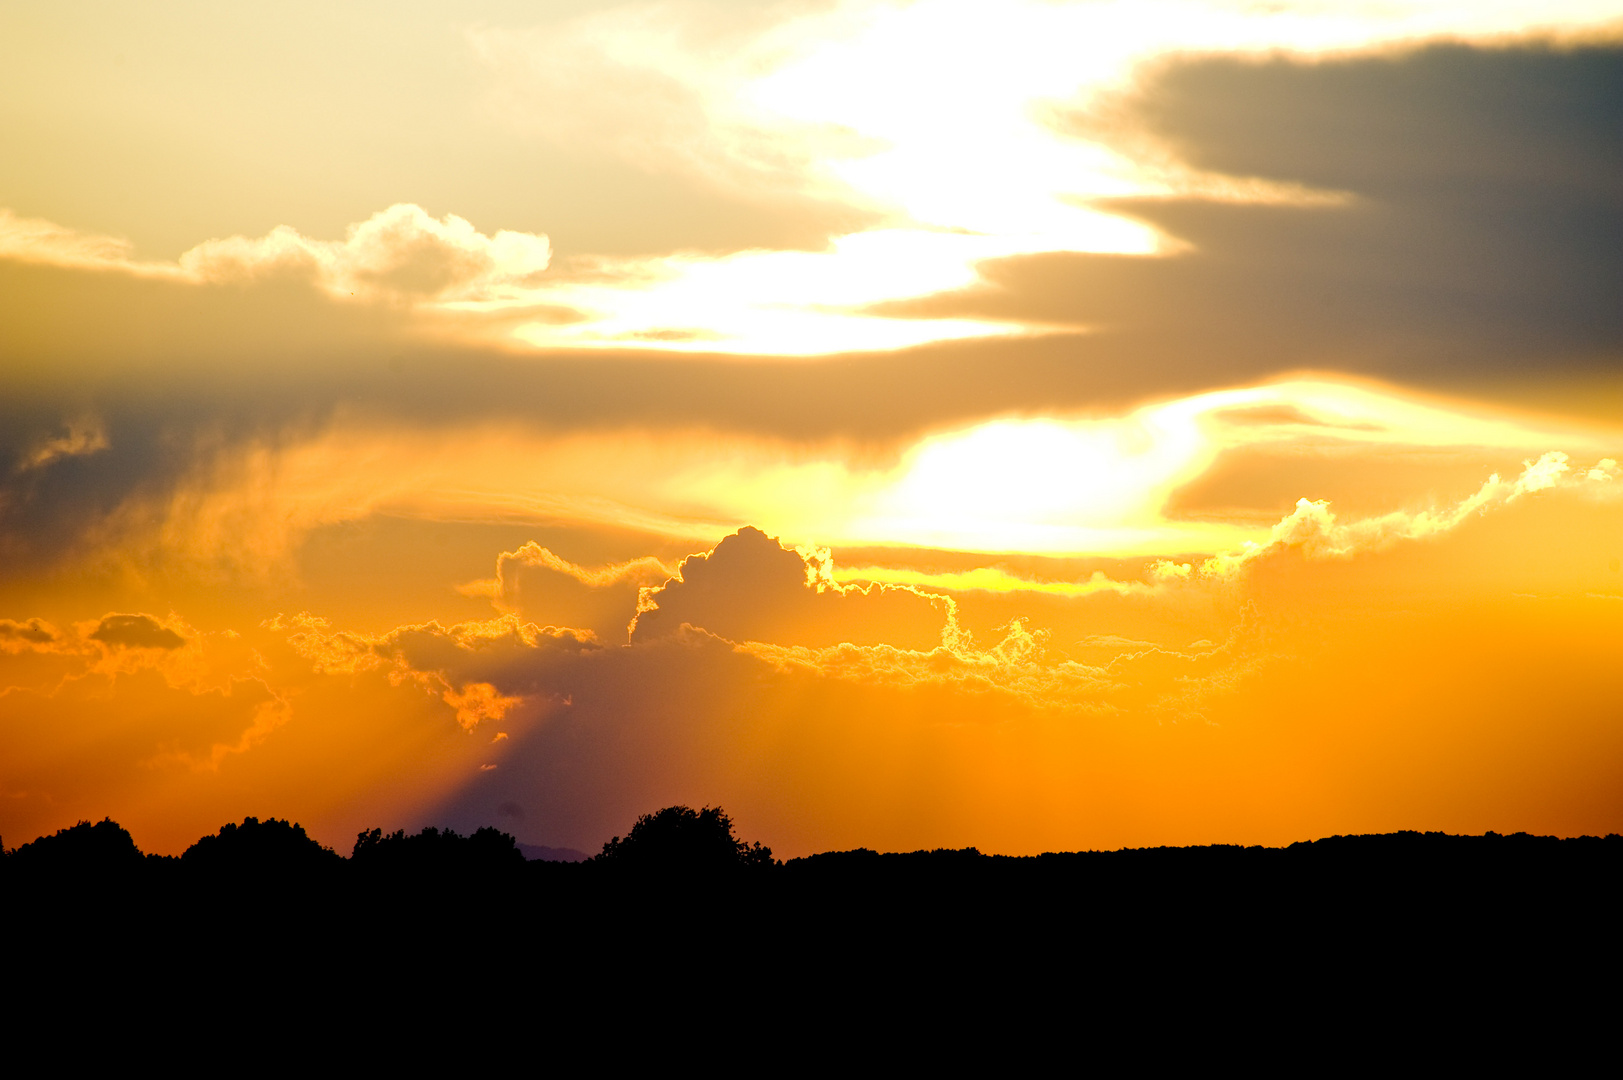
point(670, 850)
point(1335, 889)
point(1403, 921)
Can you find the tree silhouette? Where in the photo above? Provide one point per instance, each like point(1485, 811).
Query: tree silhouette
point(106, 845)
point(681, 838)
point(271, 846)
point(435, 850)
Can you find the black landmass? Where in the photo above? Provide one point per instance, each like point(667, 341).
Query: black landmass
point(681, 911)
point(683, 844)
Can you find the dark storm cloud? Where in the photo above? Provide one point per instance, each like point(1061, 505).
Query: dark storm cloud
point(1485, 234)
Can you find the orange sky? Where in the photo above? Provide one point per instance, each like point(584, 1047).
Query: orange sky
point(1036, 426)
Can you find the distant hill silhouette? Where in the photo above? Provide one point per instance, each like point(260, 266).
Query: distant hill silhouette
point(542, 853)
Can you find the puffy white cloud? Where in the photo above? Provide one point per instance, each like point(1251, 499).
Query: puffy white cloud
point(400, 254)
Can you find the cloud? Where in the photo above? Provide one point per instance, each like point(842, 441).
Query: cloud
point(264, 718)
point(1125, 160)
point(537, 584)
point(807, 723)
point(659, 84)
point(25, 635)
point(844, 102)
point(477, 702)
point(35, 240)
point(84, 436)
point(136, 632)
point(188, 490)
point(989, 579)
point(1105, 485)
point(129, 731)
point(783, 729)
point(780, 615)
point(849, 99)
point(482, 670)
point(135, 697)
point(784, 611)
point(496, 289)
point(1405, 279)
point(399, 254)
point(46, 657)
point(1313, 529)
point(1016, 667)
point(1020, 668)
point(751, 588)
point(533, 555)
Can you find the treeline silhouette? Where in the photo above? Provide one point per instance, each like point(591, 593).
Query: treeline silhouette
point(692, 861)
point(675, 840)
point(683, 841)
point(680, 901)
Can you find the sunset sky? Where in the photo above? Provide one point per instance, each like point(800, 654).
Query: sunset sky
point(1031, 425)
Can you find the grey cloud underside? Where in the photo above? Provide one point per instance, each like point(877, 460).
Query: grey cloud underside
point(1485, 243)
point(1485, 235)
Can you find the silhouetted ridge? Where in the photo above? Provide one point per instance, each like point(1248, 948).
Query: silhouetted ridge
point(543, 853)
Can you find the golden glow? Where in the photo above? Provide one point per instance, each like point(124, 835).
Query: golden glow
point(784, 302)
point(986, 579)
point(935, 115)
point(1086, 486)
point(363, 460)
